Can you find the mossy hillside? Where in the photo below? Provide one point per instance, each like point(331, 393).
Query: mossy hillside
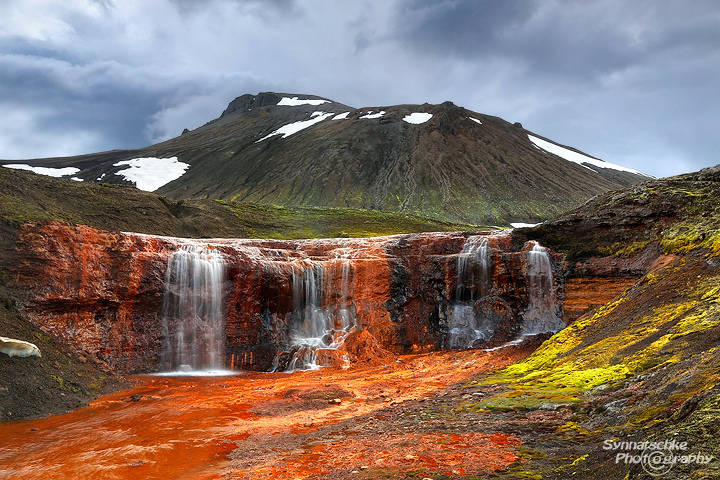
point(696, 422)
point(681, 214)
point(666, 326)
point(28, 197)
point(286, 223)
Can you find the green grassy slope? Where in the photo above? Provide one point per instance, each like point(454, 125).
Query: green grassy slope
point(27, 197)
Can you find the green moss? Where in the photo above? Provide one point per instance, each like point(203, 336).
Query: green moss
point(286, 223)
point(63, 385)
point(623, 249)
point(42, 337)
point(59, 380)
point(697, 231)
point(696, 423)
point(705, 317)
point(98, 384)
point(17, 210)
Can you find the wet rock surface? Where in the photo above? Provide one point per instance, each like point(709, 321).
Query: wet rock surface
point(103, 292)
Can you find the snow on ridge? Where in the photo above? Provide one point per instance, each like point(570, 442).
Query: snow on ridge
point(523, 225)
point(151, 173)
point(475, 120)
point(341, 116)
point(294, 102)
point(49, 171)
point(579, 158)
point(417, 118)
point(374, 115)
point(295, 127)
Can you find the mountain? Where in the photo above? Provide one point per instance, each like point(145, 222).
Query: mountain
point(438, 161)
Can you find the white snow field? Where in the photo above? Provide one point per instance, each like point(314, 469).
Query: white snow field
point(374, 115)
point(417, 118)
point(295, 127)
point(579, 158)
point(151, 173)
point(523, 225)
point(294, 102)
point(475, 120)
point(53, 172)
point(341, 116)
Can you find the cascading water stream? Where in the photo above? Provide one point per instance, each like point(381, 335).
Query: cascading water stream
point(466, 326)
point(541, 315)
point(477, 310)
point(193, 311)
point(322, 317)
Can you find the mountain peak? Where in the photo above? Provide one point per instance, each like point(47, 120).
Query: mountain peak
point(442, 161)
point(248, 101)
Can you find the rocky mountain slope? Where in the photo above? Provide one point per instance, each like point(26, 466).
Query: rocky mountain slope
point(29, 197)
point(438, 161)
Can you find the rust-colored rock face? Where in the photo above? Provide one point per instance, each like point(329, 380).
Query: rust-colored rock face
point(103, 292)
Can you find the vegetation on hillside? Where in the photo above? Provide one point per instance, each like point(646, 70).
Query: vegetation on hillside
point(27, 197)
point(288, 223)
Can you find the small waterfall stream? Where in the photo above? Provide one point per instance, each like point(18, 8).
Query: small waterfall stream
point(466, 326)
point(472, 319)
point(193, 311)
point(322, 316)
point(541, 315)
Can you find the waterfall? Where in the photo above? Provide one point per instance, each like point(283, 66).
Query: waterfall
point(473, 269)
point(193, 313)
point(541, 314)
point(322, 315)
point(466, 326)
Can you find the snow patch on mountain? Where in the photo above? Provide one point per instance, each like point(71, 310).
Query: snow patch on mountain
point(151, 173)
point(417, 118)
point(341, 116)
point(295, 127)
point(373, 115)
point(52, 172)
point(294, 102)
point(475, 120)
point(579, 158)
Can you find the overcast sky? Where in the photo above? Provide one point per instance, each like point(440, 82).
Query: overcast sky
point(632, 82)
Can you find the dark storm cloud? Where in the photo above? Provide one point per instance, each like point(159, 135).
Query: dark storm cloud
point(630, 81)
point(103, 98)
point(560, 37)
point(468, 29)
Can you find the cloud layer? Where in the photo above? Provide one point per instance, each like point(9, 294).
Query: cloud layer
point(635, 83)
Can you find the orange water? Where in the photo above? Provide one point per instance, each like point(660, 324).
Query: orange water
point(187, 427)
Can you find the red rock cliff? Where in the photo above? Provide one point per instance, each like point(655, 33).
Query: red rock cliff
point(103, 291)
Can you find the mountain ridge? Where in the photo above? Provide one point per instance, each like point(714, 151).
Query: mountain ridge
point(439, 161)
